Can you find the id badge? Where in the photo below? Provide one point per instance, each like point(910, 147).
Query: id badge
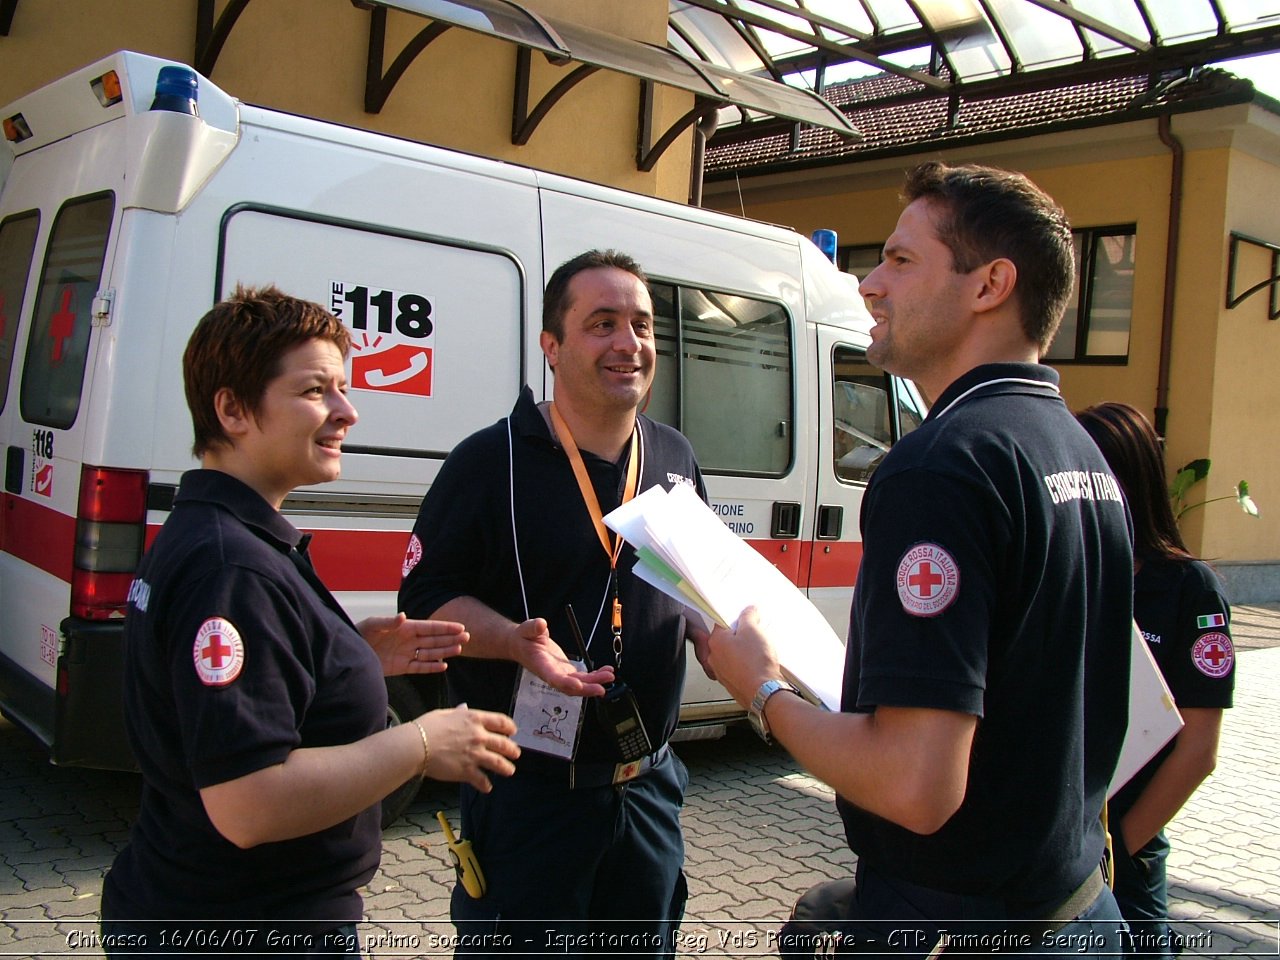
point(547, 720)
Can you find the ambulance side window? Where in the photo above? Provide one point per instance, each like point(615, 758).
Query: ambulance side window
point(58, 344)
point(724, 378)
point(861, 412)
point(911, 408)
point(17, 247)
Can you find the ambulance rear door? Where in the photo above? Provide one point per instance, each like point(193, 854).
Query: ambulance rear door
point(57, 219)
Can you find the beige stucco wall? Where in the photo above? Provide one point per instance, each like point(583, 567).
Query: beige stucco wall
point(309, 56)
point(1245, 426)
point(1223, 390)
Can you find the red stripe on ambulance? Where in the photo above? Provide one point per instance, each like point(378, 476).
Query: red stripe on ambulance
point(39, 535)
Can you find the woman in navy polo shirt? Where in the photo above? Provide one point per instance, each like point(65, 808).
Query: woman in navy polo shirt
point(255, 707)
point(1180, 608)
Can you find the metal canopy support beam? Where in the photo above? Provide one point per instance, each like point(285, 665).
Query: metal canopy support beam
point(211, 36)
point(1063, 9)
point(523, 120)
point(1002, 34)
point(7, 10)
point(648, 152)
point(712, 86)
point(939, 49)
point(817, 20)
point(841, 50)
point(1234, 300)
point(377, 85)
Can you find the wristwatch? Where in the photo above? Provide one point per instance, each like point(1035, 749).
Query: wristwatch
point(755, 713)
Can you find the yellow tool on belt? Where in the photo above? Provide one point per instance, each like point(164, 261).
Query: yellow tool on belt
point(464, 860)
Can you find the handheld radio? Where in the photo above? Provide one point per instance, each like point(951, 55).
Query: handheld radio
point(618, 707)
point(465, 864)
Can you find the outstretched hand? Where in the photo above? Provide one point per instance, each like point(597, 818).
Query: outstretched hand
point(534, 650)
point(412, 646)
point(465, 743)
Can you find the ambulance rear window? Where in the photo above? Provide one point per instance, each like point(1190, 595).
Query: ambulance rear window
point(17, 246)
point(58, 345)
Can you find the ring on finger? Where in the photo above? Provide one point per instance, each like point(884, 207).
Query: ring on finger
point(417, 653)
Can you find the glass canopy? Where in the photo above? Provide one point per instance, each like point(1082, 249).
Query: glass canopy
point(967, 48)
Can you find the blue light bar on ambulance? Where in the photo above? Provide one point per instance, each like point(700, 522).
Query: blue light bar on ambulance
point(825, 240)
point(176, 90)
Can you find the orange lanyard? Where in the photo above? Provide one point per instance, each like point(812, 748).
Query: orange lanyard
point(612, 545)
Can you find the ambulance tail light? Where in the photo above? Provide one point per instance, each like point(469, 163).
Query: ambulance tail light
point(111, 525)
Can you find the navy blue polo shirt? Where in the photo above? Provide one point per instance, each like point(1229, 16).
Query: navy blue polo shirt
point(463, 546)
point(233, 660)
point(1184, 617)
point(996, 581)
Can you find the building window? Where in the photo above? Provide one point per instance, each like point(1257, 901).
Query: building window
point(1099, 315)
point(860, 260)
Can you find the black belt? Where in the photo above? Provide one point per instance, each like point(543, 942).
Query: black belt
point(590, 773)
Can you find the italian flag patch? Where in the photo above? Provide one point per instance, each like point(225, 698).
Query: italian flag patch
point(1210, 621)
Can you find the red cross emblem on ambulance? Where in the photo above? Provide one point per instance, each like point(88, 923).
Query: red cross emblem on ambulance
point(928, 580)
point(218, 652)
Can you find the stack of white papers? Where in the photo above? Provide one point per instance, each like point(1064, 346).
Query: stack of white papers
point(687, 552)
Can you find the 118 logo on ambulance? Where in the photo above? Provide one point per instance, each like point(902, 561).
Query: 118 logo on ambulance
point(391, 337)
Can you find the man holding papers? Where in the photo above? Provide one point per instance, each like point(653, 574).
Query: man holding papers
point(582, 848)
point(986, 673)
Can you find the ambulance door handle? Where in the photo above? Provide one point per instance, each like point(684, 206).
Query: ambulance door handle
point(13, 470)
point(785, 522)
point(830, 520)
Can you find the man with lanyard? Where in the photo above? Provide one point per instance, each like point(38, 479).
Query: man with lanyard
point(582, 848)
point(986, 678)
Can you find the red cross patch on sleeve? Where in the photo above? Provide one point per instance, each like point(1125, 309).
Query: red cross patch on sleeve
point(928, 580)
point(412, 554)
point(218, 652)
point(1213, 655)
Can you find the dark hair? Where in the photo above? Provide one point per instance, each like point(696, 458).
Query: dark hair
point(555, 300)
point(983, 214)
point(239, 344)
point(1132, 449)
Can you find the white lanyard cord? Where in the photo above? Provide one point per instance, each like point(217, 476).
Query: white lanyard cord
point(515, 538)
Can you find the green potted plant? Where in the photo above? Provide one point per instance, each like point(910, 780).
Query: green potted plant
point(1195, 472)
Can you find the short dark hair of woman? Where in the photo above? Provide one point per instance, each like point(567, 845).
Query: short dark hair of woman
point(239, 344)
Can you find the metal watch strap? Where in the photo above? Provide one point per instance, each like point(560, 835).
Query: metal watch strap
point(755, 713)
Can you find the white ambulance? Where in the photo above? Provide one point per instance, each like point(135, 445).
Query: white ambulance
point(120, 224)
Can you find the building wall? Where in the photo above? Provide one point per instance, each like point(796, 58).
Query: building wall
point(1246, 388)
point(309, 57)
point(1223, 389)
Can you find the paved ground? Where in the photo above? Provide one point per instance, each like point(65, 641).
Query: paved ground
point(759, 833)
